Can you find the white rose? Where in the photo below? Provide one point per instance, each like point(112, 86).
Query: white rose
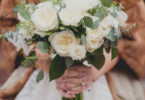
point(41, 33)
point(70, 16)
point(106, 25)
point(122, 18)
point(81, 4)
point(78, 52)
point(94, 40)
point(45, 17)
point(63, 42)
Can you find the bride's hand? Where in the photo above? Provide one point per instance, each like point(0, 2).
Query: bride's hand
point(75, 80)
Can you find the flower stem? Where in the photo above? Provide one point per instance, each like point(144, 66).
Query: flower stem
point(78, 97)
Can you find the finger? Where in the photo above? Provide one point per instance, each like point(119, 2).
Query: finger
point(75, 80)
point(76, 89)
point(71, 73)
point(79, 68)
point(76, 74)
point(65, 94)
point(67, 86)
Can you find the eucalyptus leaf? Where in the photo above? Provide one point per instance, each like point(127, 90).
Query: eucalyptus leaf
point(40, 76)
point(26, 62)
point(22, 9)
point(111, 35)
point(101, 12)
point(88, 21)
point(83, 39)
point(30, 59)
point(1, 37)
point(114, 14)
point(106, 3)
point(96, 24)
point(43, 46)
point(57, 67)
point(68, 62)
point(33, 6)
point(114, 52)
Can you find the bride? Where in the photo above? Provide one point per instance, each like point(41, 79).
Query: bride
point(76, 79)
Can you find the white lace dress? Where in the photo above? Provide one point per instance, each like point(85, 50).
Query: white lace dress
point(44, 90)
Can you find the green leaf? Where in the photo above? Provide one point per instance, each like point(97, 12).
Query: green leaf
point(23, 10)
point(101, 13)
point(96, 24)
point(111, 35)
point(49, 32)
point(6, 39)
point(68, 62)
point(108, 50)
point(99, 51)
point(44, 0)
point(106, 3)
point(32, 57)
point(43, 46)
point(1, 37)
point(57, 67)
point(26, 62)
point(19, 59)
point(25, 14)
point(62, 28)
point(33, 6)
point(81, 30)
point(4, 31)
point(96, 60)
point(83, 39)
point(114, 52)
point(93, 10)
point(40, 76)
point(88, 21)
point(114, 14)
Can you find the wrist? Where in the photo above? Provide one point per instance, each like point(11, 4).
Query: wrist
point(95, 73)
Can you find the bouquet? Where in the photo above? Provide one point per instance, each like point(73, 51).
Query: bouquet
point(76, 31)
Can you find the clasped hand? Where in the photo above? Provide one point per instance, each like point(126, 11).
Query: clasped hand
point(75, 80)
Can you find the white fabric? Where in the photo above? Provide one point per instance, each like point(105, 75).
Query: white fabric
point(99, 90)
